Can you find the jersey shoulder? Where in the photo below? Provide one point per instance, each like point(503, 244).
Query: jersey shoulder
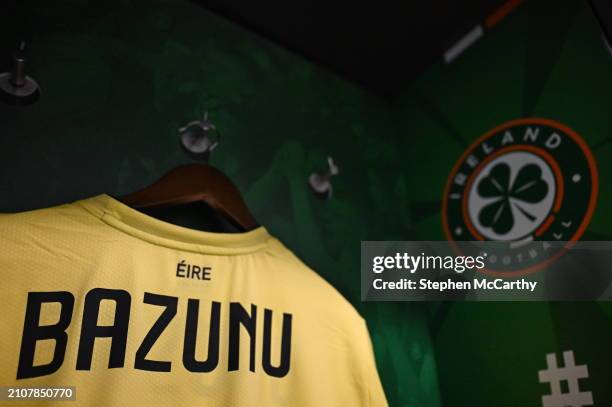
point(47, 228)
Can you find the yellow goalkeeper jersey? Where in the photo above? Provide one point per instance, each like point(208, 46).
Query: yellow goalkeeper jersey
point(129, 310)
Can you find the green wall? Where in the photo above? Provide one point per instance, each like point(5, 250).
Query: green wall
point(120, 78)
point(548, 60)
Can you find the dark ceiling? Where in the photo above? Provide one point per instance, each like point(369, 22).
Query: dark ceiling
point(379, 45)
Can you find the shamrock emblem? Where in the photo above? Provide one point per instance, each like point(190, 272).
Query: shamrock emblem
point(528, 188)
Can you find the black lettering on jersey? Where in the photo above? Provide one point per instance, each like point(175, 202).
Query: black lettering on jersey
point(283, 368)
point(191, 334)
point(90, 330)
point(240, 316)
point(162, 322)
point(239, 321)
point(33, 332)
point(184, 270)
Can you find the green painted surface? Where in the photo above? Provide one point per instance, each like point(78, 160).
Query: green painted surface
point(120, 78)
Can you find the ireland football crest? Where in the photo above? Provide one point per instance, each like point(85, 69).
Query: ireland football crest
point(525, 181)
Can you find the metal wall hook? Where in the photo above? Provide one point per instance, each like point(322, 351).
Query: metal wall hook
point(16, 87)
point(199, 138)
point(321, 184)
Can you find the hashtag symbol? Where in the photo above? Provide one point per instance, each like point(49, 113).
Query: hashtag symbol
point(569, 373)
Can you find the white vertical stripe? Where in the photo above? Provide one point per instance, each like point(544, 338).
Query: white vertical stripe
point(608, 46)
point(463, 44)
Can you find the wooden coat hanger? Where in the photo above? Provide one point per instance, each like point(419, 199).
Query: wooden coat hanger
point(195, 183)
